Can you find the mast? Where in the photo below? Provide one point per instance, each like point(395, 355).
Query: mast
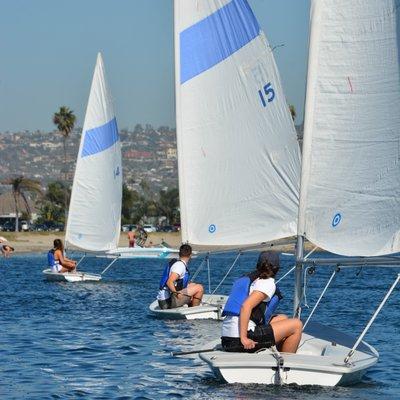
point(298, 276)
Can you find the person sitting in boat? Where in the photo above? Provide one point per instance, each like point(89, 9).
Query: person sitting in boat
point(6, 249)
point(57, 260)
point(175, 288)
point(250, 323)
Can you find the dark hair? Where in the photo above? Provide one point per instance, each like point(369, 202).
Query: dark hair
point(267, 264)
point(58, 244)
point(185, 250)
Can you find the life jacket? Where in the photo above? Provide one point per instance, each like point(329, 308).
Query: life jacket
point(51, 261)
point(179, 283)
point(262, 313)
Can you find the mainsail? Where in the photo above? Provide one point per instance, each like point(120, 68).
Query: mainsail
point(350, 186)
point(238, 156)
point(95, 208)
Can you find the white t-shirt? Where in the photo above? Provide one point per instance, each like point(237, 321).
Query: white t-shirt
point(179, 267)
point(230, 326)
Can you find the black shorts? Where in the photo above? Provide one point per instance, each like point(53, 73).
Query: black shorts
point(263, 335)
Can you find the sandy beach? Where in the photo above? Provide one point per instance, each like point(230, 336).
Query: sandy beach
point(40, 242)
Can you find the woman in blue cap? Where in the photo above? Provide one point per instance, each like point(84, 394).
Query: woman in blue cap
point(250, 323)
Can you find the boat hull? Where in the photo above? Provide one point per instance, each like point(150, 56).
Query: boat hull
point(319, 361)
point(70, 277)
point(212, 310)
point(144, 252)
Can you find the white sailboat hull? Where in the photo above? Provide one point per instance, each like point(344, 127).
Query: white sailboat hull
point(204, 311)
point(144, 252)
point(319, 361)
point(70, 276)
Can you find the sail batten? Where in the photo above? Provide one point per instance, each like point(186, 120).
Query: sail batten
point(95, 209)
point(238, 155)
point(350, 184)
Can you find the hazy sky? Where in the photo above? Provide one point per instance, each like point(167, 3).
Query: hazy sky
point(48, 50)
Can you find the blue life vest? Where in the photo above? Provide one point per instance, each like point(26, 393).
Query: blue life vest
point(50, 258)
point(262, 313)
point(179, 283)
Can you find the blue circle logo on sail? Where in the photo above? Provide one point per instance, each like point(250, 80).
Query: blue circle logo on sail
point(336, 220)
point(212, 228)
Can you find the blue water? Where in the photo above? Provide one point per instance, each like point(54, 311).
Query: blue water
point(97, 341)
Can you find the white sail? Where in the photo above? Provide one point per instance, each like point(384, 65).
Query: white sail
point(95, 208)
point(239, 163)
point(350, 186)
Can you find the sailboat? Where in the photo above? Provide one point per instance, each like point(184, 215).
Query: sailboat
point(95, 208)
point(238, 156)
point(350, 184)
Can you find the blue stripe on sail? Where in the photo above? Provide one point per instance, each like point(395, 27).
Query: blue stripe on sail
point(100, 138)
point(216, 37)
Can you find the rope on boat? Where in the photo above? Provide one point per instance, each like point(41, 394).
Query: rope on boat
point(320, 297)
point(287, 273)
point(279, 365)
point(229, 270)
point(199, 268)
point(356, 344)
point(112, 262)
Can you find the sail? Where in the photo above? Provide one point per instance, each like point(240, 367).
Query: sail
point(95, 208)
point(238, 156)
point(350, 184)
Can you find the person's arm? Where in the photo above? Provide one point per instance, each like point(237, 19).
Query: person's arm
point(252, 301)
point(65, 262)
point(171, 282)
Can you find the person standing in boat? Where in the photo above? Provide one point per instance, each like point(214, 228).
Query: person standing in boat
point(175, 289)
point(250, 323)
point(57, 260)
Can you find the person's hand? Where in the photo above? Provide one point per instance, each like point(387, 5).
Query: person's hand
point(248, 344)
point(177, 295)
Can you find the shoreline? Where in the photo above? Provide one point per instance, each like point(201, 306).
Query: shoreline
point(41, 242)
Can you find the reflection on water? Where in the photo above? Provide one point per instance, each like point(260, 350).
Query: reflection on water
point(96, 340)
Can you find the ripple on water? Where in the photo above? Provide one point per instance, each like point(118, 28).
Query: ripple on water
point(97, 341)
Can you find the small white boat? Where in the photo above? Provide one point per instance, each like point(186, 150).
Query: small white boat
point(318, 361)
point(69, 276)
point(211, 308)
point(144, 252)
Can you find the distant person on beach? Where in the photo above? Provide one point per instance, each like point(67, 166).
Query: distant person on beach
point(175, 289)
point(141, 236)
point(131, 238)
point(6, 250)
point(57, 260)
point(250, 322)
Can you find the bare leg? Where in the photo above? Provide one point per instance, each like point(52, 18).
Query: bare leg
point(279, 317)
point(287, 331)
point(196, 291)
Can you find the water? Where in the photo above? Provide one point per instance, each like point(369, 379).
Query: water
point(97, 341)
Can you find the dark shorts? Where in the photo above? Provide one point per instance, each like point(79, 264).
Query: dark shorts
point(263, 335)
point(164, 304)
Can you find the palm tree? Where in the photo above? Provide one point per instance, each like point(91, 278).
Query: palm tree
point(65, 119)
point(21, 186)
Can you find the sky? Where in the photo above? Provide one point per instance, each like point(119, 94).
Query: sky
point(48, 50)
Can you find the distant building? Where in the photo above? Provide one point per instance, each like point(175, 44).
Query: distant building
point(172, 153)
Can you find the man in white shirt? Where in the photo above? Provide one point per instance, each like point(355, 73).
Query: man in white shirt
point(175, 289)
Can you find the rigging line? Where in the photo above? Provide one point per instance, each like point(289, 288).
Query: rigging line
point(80, 260)
point(230, 269)
point(312, 251)
point(287, 273)
point(308, 271)
point(199, 268)
point(209, 276)
point(112, 262)
point(320, 297)
point(356, 344)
